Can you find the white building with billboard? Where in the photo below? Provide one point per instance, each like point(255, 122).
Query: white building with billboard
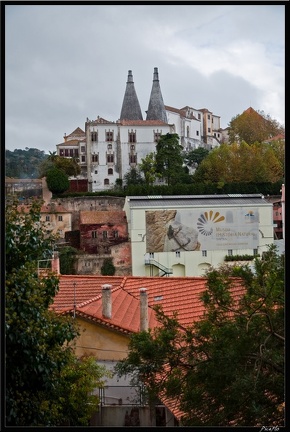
point(185, 235)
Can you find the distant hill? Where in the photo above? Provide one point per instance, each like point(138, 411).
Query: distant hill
point(23, 163)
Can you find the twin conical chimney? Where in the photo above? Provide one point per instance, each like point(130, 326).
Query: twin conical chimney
point(156, 108)
point(131, 108)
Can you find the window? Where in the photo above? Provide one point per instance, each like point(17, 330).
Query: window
point(94, 234)
point(197, 133)
point(109, 146)
point(61, 152)
point(66, 152)
point(83, 149)
point(106, 182)
point(230, 252)
point(132, 147)
point(105, 234)
point(115, 234)
point(95, 158)
point(132, 159)
point(208, 129)
point(204, 253)
point(157, 136)
point(187, 131)
point(47, 218)
point(177, 254)
point(76, 152)
point(110, 158)
point(110, 171)
point(208, 116)
point(109, 136)
point(83, 158)
point(71, 152)
point(132, 137)
point(255, 252)
point(198, 116)
point(60, 218)
point(94, 136)
point(151, 254)
point(96, 171)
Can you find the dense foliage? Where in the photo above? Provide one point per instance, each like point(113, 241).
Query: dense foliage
point(108, 268)
point(45, 384)
point(168, 158)
point(238, 163)
point(253, 126)
point(228, 368)
point(69, 166)
point(57, 181)
point(23, 163)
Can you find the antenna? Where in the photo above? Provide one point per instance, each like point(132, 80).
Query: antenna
point(74, 299)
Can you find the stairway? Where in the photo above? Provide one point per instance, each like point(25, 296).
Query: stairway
point(166, 271)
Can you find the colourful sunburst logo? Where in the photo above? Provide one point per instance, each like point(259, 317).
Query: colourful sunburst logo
point(207, 220)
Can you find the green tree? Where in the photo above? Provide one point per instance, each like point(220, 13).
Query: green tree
point(39, 350)
point(69, 166)
point(148, 167)
point(195, 157)
point(23, 163)
point(57, 181)
point(67, 257)
point(253, 126)
point(228, 368)
point(169, 160)
point(108, 268)
point(133, 177)
point(256, 163)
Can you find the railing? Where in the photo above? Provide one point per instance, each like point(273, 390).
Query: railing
point(158, 265)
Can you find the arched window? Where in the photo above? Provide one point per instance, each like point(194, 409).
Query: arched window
point(106, 182)
point(110, 171)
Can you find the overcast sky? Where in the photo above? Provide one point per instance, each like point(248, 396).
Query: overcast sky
point(65, 63)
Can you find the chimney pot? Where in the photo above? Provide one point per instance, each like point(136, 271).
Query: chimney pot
point(107, 301)
point(143, 309)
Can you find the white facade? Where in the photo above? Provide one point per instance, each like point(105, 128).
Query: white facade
point(211, 227)
point(112, 149)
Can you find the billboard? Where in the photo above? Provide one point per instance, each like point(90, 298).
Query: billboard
point(210, 229)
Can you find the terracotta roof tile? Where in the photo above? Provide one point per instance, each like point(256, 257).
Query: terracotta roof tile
point(142, 123)
point(98, 217)
point(68, 143)
point(181, 295)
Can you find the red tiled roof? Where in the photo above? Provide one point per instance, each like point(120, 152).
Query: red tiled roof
point(87, 287)
point(142, 123)
point(68, 143)
point(180, 294)
point(98, 217)
point(77, 131)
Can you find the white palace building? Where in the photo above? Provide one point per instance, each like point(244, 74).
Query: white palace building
point(107, 150)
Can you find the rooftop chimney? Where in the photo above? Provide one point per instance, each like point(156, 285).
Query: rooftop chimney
point(55, 267)
point(107, 301)
point(143, 309)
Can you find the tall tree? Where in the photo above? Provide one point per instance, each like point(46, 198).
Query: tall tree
point(57, 181)
point(148, 168)
point(169, 160)
point(253, 126)
point(42, 375)
point(228, 368)
point(242, 162)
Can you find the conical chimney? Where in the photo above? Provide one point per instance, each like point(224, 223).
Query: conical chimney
point(156, 108)
point(131, 108)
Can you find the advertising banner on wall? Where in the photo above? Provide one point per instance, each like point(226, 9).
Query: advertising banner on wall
point(193, 230)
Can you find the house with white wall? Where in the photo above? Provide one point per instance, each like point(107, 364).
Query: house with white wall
point(185, 235)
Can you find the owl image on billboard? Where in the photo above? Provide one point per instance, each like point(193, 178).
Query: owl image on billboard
point(193, 230)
